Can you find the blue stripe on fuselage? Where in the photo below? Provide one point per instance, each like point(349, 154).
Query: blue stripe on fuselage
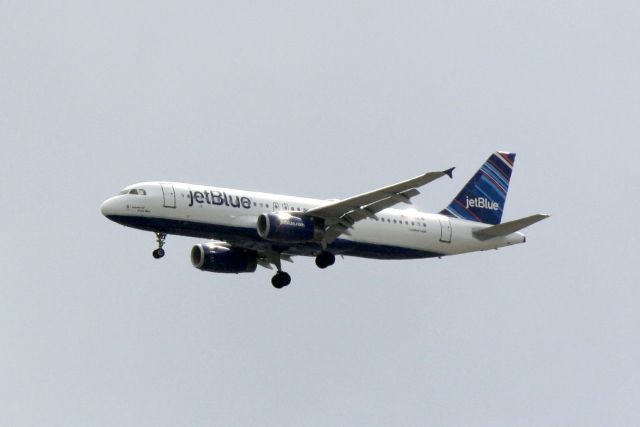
point(249, 238)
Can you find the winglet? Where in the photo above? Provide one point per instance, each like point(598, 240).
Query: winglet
point(449, 172)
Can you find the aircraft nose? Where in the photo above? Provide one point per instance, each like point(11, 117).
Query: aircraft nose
point(108, 207)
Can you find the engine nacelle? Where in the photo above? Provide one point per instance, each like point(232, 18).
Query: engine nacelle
point(220, 258)
point(284, 227)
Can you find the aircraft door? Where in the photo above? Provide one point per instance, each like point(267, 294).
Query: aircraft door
point(445, 230)
point(169, 196)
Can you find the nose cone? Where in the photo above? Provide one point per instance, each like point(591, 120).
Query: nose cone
point(108, 207)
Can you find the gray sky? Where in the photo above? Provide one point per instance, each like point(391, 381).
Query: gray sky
point(324, 100)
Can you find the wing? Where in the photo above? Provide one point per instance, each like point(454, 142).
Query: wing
point(338, 217)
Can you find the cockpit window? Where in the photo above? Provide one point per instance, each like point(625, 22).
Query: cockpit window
point(134, 191)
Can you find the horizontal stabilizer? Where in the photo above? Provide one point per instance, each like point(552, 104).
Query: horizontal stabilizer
point(508, 227)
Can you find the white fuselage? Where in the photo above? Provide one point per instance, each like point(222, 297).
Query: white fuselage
point(231, 215)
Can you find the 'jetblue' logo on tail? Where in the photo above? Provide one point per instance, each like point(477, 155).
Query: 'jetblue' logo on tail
point(482, 203)
point(483, 198)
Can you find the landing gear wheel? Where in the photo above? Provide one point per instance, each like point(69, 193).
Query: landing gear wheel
point(325, 259)
point(158, 253)
point(280, 280)
point(285, 278)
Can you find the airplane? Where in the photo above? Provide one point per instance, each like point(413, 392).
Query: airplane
point(247, 229)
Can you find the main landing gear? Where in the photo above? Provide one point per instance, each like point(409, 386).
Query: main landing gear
point(281, 278)
point(325, 259)
point(159, 253)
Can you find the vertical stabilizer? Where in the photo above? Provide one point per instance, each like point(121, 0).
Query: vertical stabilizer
point(483, 198)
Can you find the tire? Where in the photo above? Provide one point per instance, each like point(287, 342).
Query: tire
point(325, 259)
point(286, 279)
point(320, 262)
point(275, 281)
point(280, 280)
point(331, 259)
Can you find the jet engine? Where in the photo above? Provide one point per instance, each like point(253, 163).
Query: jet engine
point(286, 228)
point(219, 257)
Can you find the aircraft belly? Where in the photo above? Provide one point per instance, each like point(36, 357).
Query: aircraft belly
point(248, 237)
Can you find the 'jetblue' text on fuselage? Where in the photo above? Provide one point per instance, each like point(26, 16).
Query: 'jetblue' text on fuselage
point(218, 198)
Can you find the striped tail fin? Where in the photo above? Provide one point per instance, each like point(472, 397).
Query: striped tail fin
point(483, 198)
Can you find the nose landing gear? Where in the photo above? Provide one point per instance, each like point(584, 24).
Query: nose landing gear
point(159, 253)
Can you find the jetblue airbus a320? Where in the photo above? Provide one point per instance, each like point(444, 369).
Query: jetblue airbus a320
point(248, 229)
